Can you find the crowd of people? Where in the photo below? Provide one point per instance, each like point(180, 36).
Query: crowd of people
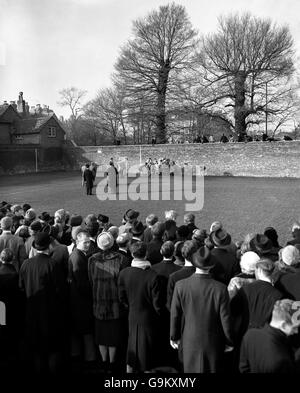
point(80, 293)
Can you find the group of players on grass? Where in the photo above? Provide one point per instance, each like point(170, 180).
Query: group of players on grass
point(83, 294)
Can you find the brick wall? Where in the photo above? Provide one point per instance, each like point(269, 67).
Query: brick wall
point(271, 159)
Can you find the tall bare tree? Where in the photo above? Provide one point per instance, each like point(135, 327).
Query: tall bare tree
point(163, 46)
point(239, 59)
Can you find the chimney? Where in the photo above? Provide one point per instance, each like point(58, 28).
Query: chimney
point(21, 104)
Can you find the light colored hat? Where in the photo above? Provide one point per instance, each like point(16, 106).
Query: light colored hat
point(290, 255)
point(215, 226)
point(105, 241)
point(114, 231)
point(248, 261)
point(123, 238)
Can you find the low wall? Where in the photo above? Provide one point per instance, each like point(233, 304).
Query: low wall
point(29, 158)
point(264, 159)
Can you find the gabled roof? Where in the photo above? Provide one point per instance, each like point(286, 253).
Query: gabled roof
point(34, 125)
point(4, 108)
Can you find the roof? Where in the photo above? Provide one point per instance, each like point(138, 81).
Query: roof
point(33, 125)
point(4, 108)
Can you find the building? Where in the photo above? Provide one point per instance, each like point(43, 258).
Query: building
point(20, 124)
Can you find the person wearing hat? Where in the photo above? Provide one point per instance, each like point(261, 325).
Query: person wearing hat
point(253, 303)
point(188, 249)
point(130, 217)
point(203, 304)
point(164, 269)
point(137, 231)
point(263, 246)
point(11, 296)
point(227, 265)
point(13, 242)
point(123, 242)
point(248, 264)
point(104, 223)
point(18, 216)
point(288, 262)
point(189, 221)
point(88, 179)
point(153, 247)
point(199, 235)
point(268, 350)
point(151, 219)
point(93, 229)
point(182, 233)
point(110, 315)
point(45, 322)
point(45, 218)
point(34, 228)
point(140, 291)
point(81, 299)
point(170, 232)
point(272, 235)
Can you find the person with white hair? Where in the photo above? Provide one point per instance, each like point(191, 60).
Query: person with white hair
point(248, 264)
point(171, 215)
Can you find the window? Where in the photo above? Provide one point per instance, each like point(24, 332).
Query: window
point(52, 132)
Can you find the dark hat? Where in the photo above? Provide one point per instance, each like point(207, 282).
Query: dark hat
point(202, 258)
point(41, 241)
point(102, 218)
point(36, 226)
point(183, 231)
point(3, 203)
point(131, 214)
point(137, 228)
point(45, 217)
point(26, 207)
point(261, 243)
point(220, 238)
point(76, 221)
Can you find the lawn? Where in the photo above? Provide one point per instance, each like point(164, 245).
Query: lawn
point(243, 204)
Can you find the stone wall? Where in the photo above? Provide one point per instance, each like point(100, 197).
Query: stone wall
point(263, 159)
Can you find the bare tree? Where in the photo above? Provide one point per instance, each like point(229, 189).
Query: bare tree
point(163, 46)
point(72, 98)
point(239, 59)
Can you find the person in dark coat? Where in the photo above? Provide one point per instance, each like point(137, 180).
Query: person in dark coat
point(140, 291)
point(188, 249)
point(289, 285)
point(164, 269)
point(88, 178)
point(154, 246)
point(254, 302)
point(11, 296)
point(110, 314)
point(40, 279)
point(267, 350)
point(203, 304)
point(189, 221)
point(227, 265)
point(81, 299)
point(150, 221)
point(263, 246)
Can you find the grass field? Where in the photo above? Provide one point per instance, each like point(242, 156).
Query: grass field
point(242, 204)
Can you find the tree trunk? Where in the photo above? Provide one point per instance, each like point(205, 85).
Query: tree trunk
point(240, 112)
point(161, 102)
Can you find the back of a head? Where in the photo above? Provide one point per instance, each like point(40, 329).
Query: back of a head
point(158, 229)
point(266, 266)
point(93, 228)
point(189, 218)
point(6, 255)
point(167, 249)
point(283, 311)
point(138, 250)
point(183, 232)
point(271, 234)
point(188, 249)
point(171, 215)
point(6, 223)
point(151, 219)
point(123, 239)
point(178, 250)
point(90, 218)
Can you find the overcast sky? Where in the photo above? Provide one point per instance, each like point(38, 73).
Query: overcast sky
point(46, 45)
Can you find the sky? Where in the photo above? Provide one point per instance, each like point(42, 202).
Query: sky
point(48, 45)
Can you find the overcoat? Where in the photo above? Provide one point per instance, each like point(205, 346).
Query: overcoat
point(200, 318)
point(140, 291)
point(81, 296)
